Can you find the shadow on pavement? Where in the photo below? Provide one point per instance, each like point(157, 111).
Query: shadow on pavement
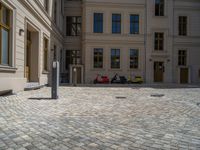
point(40, 98)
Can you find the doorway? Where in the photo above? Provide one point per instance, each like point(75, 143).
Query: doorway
point(28, 56)
point(76, 77)
point(184, 75)
point(158, 71)
point(32, 54)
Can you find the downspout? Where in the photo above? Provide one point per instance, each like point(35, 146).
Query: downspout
point(172, 59)
point(145, 42)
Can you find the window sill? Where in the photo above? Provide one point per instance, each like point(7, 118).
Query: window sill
point(45, 72)
point(159, 51)
point(115, 69)
point(7, 69)
point(134, 69)
point(160, 17)
point(97, 69)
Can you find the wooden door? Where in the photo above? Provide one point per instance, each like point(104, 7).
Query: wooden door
point(28, 58)
point(158, 71)
point(77, 76)
point(184, 74)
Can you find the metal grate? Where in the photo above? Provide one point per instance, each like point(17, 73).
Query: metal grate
point(120, 97)
point(157, 95)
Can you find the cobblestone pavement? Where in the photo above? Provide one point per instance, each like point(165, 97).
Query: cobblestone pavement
point(96, 118)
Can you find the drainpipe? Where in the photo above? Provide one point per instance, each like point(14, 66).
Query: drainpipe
point(145, 42)
point(172, 59)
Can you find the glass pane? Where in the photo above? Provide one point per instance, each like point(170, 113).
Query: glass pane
point(78, 19)
point(4, 47)
point(5, 16)
point(113, 52)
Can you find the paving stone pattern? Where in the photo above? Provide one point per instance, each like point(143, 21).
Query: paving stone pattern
point(94, 118)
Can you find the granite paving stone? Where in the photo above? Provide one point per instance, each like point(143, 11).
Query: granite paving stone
point(96, 118)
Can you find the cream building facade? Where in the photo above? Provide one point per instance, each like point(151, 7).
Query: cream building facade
point(31, 31)
point(155, 39)
point(158, 40)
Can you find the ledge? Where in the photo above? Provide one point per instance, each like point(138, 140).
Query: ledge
point(7, 69)
point(45, 72)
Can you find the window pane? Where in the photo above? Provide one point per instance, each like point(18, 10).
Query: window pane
point(134, 54)
point(73, 27)
point(159, 8)
point(182, 57)
point(98, 58)
point(98, 22)
point(116, 23)
point(4, 47)
point(115, 58)
point(5, 16)
point(134, 24)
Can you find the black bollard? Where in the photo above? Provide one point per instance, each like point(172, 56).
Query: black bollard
point(55, 80)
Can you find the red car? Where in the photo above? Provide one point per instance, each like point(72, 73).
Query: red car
point(101, 79)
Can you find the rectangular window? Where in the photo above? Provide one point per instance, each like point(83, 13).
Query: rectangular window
point(183, 25)
point(98, 58)
point(73, 26)
point(134, 58)
point(159, 7)
point(115, 58)
point(46, 45)
point(159, 41)
point(116, 23)
point(73, 57)
point(55, 11)
point(134, 24)
point(5, 54)
point(98, 22)
point(46, 5)
point(199, 73)
point(182, 57)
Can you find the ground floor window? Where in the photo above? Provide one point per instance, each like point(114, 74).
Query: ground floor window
point(73, 57)
point(159, 41)
point(46, 45)
point(115, 58)
point(134, 54)
point(5, 29)
point(98, 58)
point(182, 57)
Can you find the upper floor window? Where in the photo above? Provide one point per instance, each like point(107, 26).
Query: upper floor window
point(159, 7)
point(183, 25)
point(182, 57)
point(73, 26)
point(134, 58)
point(5, 32)
point(46, 5)
point(134, 24)
point(159, 41)
point(98, 22)
point(116, 23)
point(115, 58)
point(55, 11)
point(98, 58)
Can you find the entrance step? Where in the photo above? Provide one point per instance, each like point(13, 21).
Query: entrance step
point(32, 86)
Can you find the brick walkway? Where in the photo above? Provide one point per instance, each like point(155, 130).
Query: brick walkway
point(101, 118)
